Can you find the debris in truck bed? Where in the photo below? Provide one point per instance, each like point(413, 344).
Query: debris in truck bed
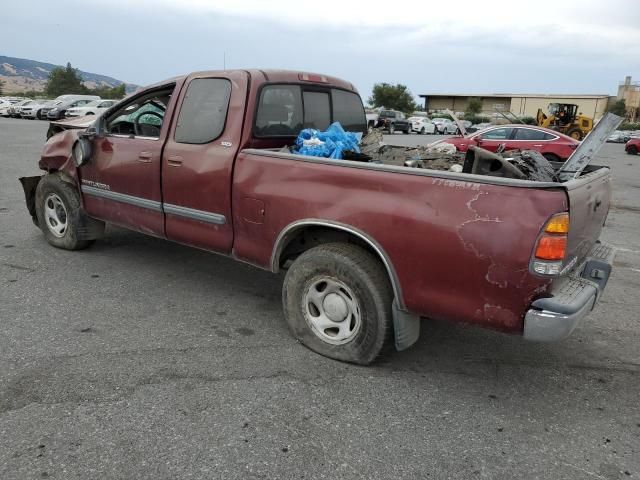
point(436, 157)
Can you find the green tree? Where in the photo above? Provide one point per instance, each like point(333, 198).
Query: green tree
point(618, 108)
point(474, 107)
point(110, 92)
point(63, 80)
point(396, 97)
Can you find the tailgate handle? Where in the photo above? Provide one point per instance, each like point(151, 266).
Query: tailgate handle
point(174, 160)
point(145, 157)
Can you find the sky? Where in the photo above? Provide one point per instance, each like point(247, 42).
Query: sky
point(477, 46)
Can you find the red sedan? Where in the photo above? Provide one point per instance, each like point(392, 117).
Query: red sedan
point(632, 147)
point(553, 145)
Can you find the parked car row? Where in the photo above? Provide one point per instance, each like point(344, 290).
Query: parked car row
point(393, 121)
point(63, 106)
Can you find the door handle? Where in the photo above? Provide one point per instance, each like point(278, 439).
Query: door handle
point(174, 160)
point(145, 157)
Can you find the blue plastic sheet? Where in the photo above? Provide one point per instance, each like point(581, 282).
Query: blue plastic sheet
point(330, 143)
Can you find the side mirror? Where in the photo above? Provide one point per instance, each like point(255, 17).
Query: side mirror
point(82, 150)
point(90, 133)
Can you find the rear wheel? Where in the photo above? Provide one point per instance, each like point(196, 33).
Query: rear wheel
point(422, 131)
point(632, 150)
point(575, 133)
point(337, 301)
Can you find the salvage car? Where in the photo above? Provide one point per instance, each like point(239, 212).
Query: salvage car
point(422, 125)
point(555, 146)
point(66, 102)
point(632, 147)
point(204, 160)
point(445, 126)
point(619, 137)
point(393, 121)
point(95, 107)
point(34, 110)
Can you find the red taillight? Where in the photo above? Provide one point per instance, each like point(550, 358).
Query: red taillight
point(551, 248)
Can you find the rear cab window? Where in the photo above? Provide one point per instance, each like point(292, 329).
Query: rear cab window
point(284, 110)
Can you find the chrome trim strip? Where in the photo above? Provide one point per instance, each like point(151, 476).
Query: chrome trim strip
point(123, 198)
point(194, 214)
point(386, 261)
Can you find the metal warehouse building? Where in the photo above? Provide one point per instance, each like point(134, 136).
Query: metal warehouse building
point(524, 105)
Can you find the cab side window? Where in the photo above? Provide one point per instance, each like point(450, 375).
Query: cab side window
point(204, 111)
point(142, 116)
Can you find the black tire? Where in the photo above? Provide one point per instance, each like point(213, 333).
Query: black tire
point(89, 113)
point(575, 133)
point(63, 198)
point(392, 129)
point(422, 131)
point(552, 157)
point(407, 131)
point(39, 114)
point(364, 277)
point(632, 150)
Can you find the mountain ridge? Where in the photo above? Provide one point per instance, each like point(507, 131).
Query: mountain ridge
point(22, 74)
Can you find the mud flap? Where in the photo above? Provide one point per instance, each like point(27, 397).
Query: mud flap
point(406, 328)
point(29, 185)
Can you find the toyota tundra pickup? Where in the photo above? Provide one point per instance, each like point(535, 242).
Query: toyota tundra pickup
point(368, 248)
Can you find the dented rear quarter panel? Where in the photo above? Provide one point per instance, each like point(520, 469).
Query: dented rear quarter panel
point(460, 249)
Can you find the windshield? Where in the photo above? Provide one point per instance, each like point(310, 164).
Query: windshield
point(417, 119)
point(92, 103)
point(387, 113)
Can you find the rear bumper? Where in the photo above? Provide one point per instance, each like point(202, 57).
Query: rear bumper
point(554, 318)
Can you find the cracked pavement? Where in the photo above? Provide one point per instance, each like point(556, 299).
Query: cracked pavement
point(139, 358)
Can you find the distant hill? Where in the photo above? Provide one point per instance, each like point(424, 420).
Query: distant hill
point(20, 74)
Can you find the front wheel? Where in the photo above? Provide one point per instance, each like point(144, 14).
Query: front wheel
point(392, 129)
point(575, 133)
point(59, 214)
point(632, 150)
point(337, 301)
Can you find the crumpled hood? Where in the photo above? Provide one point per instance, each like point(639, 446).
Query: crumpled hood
point(77, 122)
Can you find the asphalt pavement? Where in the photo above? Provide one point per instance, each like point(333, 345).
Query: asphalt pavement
point(142, 359)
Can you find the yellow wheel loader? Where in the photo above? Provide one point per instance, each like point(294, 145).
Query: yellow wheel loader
point(564, 118)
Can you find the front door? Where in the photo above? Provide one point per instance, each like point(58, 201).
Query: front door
point(121, 184)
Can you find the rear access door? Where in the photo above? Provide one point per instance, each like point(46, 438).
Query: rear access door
point(197, 161)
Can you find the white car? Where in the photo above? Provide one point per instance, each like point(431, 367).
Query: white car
point(93, 108)
point(4, 108)
point(422, 125)
point(14, 110)
point(34, 110)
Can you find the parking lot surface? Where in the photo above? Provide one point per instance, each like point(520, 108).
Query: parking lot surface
point(139, 358)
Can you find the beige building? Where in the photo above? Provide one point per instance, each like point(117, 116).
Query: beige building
point(630, 92)
point(523, 105)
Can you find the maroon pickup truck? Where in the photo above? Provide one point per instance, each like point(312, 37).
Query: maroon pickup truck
point(368, 248)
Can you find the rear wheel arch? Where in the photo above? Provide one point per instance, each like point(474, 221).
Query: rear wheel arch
point(298, 237)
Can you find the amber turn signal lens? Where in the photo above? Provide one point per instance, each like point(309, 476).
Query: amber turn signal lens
point(551, 247)
point(558, 224)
